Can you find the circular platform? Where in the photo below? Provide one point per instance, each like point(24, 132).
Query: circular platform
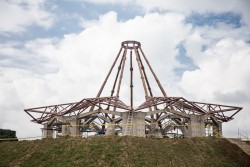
point(131, 44)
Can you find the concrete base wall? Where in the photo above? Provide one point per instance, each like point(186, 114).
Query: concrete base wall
point(110, 129)
point(47, 133)
point(155, 130)
point(71, 127)
point(184, 131)
point(138, 124)
point(217, 129)
point(65, 130)
point(196, 126)
point(75, 128)
point(124, 122)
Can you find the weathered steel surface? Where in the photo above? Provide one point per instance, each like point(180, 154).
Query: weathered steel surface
point(163, 114)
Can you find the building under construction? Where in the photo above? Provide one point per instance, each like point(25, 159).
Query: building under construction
point(142, 113)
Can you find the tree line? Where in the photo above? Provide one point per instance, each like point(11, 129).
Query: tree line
point(8, 134)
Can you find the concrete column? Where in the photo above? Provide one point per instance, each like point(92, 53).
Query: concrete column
point(74, 127)
point(70, 126)
point(155, 130)
point(196, 126)
point(124, 122)
point(65, 130)
point(217, 129)
point(65, 126)
point(110, 129)
point(138, 124)
point(47, 131)
point(184, 131)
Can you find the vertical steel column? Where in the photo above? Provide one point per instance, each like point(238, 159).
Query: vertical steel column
point(131, 81)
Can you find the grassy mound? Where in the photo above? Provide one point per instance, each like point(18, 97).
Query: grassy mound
point(123, 151)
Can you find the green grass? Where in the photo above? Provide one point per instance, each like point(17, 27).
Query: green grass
point(123, 151)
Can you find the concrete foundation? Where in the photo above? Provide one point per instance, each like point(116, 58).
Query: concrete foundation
point(75, 128)
point(137, 125)
point(110, 129)
point(155, 131)
point(70, 126)
point(196, 126)
point(184, 131)
point(65, 130)
point(217, 129)
point(133, 124)
point(47, 131)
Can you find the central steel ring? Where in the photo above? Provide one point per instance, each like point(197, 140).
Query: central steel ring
point(131, 44)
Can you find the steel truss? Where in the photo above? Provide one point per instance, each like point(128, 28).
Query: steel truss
point(168, 112)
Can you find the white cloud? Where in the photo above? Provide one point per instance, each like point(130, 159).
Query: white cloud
point(17, 15)
point(187, 7)
point(11, 102)
point(182, 6)
point(71, 68)
point(106, 1)
point(83, 60)
point(222, 77)
point(32, 57)
point(226, 61)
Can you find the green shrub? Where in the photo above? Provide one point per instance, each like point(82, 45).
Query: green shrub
point(8, 134)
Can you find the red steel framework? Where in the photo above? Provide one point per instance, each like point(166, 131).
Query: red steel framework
point(106, 109)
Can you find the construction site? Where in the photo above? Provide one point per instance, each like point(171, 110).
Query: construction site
point(136, 105)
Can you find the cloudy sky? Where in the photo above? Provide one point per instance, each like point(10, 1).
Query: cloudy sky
point(57, 51)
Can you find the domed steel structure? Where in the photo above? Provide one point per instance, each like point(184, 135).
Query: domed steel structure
point(156, 116)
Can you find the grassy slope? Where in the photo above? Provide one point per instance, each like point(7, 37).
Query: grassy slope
point(123, 151)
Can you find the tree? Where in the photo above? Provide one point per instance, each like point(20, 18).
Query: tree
point(8, 134)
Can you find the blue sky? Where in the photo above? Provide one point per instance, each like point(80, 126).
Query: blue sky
point(49, 49)
point(212, 19)
point(68, 16)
